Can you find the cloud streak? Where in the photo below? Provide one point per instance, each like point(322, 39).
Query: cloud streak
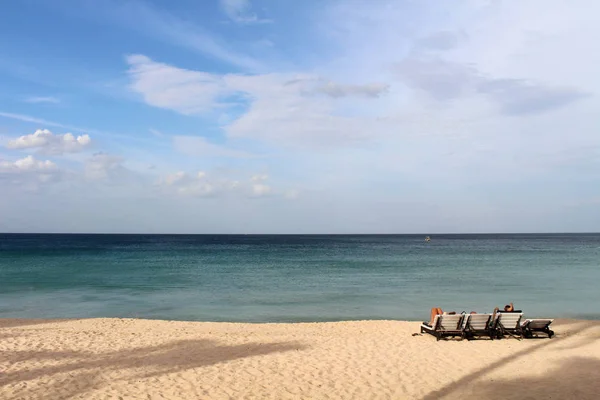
point(162, 25)
point(42, 99)
point(198, 146)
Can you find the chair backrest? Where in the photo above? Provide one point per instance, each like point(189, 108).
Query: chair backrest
point(449, 322)
point(464, 321)
point(510, 320)
point(478, 322)
point(538, 323)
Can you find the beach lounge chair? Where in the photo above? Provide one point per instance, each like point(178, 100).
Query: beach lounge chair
point(445, 325)
point(479, 325)
point(531, 327)
point(509, 323)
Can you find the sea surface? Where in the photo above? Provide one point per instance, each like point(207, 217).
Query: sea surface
point(283, 278)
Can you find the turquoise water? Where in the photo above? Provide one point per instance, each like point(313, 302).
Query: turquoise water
point(296, 278)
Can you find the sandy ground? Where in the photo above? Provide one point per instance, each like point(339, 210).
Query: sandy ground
point(141, 359)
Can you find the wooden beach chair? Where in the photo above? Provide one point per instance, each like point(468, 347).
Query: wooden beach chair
point(445, 325)
point(479, 325)
point(509, 324)
point(532, 327)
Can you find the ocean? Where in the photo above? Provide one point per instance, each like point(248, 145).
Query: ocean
point(296, 278)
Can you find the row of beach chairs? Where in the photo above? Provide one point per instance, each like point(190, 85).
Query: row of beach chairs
point(503, 324)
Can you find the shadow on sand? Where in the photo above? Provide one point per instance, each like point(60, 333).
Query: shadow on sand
point(158, 360)
point(575, 378)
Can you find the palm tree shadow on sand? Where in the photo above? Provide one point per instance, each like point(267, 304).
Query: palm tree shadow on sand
point(158, 360)
point(574, 378)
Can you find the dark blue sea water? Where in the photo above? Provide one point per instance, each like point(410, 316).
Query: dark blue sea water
point(296, 278)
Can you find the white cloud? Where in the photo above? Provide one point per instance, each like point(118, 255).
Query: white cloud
point(49, 143)
point(206, 184)
point(42, 99)
point(27, 164)
point(338, 90)
point(259, 185)
point(284, 112)
point(291, 194)
point(434, 115)
point(196, 185)
point(259, 178)
point(27, 174)
point(44, 122)
point(103, 166)
point(282, 108)
point(240, 11)
point(260, 189)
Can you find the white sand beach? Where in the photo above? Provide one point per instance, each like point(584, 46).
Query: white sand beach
point(143, 359)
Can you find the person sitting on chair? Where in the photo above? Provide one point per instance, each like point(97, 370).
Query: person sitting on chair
point(438, 311)
point(507, 308)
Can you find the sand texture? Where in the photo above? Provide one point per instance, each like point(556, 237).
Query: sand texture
point(141, 359)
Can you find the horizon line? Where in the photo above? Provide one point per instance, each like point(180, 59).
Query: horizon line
point(302, 234)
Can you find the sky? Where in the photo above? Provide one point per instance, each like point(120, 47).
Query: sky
point(316, 116)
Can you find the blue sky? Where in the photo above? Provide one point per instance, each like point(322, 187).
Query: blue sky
point(270, 116)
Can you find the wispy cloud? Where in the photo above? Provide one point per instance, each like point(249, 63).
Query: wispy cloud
point(42, 99)
point(40, 121)
point(156, 133)
point(165, 86)
point(162, 25)
point(339, 90)
point(240, 11)
point(445, 80)
point(200, 147)
point(284, 108)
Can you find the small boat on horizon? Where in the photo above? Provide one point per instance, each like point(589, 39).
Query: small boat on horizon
point(427, 239)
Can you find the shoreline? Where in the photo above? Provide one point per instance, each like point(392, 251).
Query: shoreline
point(3, 321)
point(139, 358)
